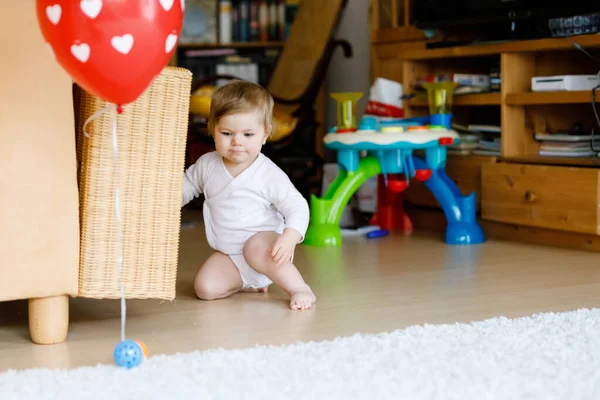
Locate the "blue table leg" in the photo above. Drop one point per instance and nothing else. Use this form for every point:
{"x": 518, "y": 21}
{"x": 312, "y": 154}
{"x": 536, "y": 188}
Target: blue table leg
{"x": 349, "y": 159}
{"x": 460, "y": 210}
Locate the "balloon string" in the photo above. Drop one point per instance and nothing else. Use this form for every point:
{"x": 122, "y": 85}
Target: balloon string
{"x": 115, "y": 147}
{"x": 95, "y": 115}
{"x": 119, "y": 226}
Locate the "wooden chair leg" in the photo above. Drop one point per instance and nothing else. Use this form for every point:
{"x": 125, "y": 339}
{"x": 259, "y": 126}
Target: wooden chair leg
{"x": 49, "y": 319}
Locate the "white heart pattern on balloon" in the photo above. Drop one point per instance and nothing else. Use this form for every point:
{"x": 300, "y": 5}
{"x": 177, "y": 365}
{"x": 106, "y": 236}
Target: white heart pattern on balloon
{"x": 170, "y": 42}
{"x": 167, "y": 4}
{"x": 54, "y": 13}
{"x": 81, "y": 51}
{"x": 122, "y": 44}
{"x": 91, "y": 8}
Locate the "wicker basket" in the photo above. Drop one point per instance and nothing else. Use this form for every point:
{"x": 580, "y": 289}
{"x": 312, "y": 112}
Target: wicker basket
{"x": 152, "y": 134}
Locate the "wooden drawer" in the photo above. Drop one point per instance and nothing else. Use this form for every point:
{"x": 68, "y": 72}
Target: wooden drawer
{"x": 465, "y": 171}
{"x": 563, "y": 198}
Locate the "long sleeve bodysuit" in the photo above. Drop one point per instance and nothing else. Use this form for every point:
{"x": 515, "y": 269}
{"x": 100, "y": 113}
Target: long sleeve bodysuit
{"x": 262, "y": 198}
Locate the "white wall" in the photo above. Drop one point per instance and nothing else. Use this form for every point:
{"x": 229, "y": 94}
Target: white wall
{"x": 351, "y": 75}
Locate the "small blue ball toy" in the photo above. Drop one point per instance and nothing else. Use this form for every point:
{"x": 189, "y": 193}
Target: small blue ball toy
{"x": 130, "y": 353}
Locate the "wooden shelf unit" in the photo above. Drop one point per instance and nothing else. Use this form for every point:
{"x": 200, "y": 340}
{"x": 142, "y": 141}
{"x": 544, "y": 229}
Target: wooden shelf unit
{"x": 547, "y": 160}
{"x": 517, "y": 46}
{"x": 521, "y": 112}
{"x": 532, "y": 98}
{"x": 545, "y": 196}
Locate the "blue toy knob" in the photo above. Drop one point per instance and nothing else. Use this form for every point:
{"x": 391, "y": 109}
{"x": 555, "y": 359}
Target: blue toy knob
{"x": 368, "y": 124}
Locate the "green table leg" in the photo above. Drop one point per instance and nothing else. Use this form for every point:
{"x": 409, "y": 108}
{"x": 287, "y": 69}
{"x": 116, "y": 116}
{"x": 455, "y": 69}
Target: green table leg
{"x": 326, "y": 212}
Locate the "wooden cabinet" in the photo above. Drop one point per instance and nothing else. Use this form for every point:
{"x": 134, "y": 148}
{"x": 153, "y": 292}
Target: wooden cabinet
{"x": 563, "y": 198}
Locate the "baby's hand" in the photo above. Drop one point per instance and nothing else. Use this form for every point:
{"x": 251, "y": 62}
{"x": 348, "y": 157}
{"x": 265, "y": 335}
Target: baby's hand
{"x": 284, "y": 246}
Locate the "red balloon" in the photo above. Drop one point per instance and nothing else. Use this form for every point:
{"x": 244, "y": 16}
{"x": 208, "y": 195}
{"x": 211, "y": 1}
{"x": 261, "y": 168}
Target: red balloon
{"x": 112, "y": 48}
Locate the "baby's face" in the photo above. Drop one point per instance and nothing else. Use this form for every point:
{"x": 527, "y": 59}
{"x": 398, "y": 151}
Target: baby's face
{"x": 239, "y": 137}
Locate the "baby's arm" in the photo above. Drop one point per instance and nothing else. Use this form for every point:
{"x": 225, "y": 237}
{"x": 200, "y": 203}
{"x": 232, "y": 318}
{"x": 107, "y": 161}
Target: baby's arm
{"x": 192, "y": 183}
{"x": 289, "y": 202}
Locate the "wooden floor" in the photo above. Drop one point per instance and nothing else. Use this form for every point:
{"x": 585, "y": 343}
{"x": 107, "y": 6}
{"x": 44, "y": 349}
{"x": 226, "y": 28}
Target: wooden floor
{"x": 365, "y": 286}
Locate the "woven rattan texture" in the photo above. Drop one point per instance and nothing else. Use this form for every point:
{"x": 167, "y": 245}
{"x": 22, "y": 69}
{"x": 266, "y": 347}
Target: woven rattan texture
{"x": 152, "y": 134}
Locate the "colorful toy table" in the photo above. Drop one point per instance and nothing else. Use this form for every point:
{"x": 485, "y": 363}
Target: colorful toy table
{"x": 389, "y": 150}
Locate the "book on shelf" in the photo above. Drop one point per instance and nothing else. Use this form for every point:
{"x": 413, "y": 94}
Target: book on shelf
{"x": 484, "y": 140}
{"x": 564, "y": 137}
{"x": 477, "y": 128}
{"x": 566, "y": 145}
{"x": 482, "y": 128}
{"x": 582, "y": 153}
{"x": 229, "y": 21}
{"x": 255, "y": 20}
{"x": 199, "y": 22}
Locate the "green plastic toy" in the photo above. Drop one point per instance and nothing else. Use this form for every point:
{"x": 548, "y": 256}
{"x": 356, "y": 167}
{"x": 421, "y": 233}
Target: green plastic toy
{"x": 326, "y": 212}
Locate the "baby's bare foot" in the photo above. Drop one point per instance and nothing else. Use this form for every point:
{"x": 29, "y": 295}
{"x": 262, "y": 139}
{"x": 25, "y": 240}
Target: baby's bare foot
{"x": 302, "y": 299}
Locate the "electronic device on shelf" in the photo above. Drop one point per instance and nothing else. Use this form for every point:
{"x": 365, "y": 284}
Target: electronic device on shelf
{"x": 509, "y": 19}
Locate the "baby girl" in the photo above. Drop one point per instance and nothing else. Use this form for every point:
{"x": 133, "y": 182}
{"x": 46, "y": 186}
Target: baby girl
{"x": 254, "y": 216}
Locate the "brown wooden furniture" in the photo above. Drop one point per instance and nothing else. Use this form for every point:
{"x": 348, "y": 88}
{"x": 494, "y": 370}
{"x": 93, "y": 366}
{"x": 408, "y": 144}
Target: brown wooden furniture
{"x": 39, "y": 233}
{"x": 521, "y": 195}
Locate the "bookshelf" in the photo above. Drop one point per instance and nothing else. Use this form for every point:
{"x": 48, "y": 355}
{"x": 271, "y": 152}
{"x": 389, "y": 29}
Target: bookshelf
{"x": 521, "y": 195}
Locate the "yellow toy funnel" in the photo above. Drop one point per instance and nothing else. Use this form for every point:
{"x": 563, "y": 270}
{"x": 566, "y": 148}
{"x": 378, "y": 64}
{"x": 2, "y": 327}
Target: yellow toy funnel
{"x": 439, "y": 97}
{"x": 346, "y": 110}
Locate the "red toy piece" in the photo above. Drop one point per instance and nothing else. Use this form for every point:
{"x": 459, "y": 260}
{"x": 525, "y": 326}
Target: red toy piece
{"x": 346, "y": 130}
{"x": 390, "y": 213}
{"x": 446, "y": 141}
{"x": 422, "y": 174}
{"x": 397, "y": 186}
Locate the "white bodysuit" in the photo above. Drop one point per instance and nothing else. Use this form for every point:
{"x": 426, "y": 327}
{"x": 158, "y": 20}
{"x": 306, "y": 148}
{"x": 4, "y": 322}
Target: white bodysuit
{"x": 262, "y": 198}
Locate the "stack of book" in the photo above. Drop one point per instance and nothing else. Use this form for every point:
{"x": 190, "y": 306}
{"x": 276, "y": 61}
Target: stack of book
{"x": 566, "y": 145}
{"x": 483, "y": 140}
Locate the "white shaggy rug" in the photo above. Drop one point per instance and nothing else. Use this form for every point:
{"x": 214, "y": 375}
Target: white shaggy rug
{"x": 546, "y": 356}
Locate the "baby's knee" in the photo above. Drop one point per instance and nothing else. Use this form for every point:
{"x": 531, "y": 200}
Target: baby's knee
{"x": 258, "y": 248}
{"x": 205, "y": 290}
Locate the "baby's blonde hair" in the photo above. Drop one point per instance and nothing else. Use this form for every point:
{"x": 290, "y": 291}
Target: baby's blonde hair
{"x": 240, "y": 96}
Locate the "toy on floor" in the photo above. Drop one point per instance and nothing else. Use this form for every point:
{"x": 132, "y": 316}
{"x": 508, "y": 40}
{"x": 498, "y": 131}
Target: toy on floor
{"x": 130, "y": 353}
{"x": 389, "y": 146}
{"x": 379, "y": 233}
